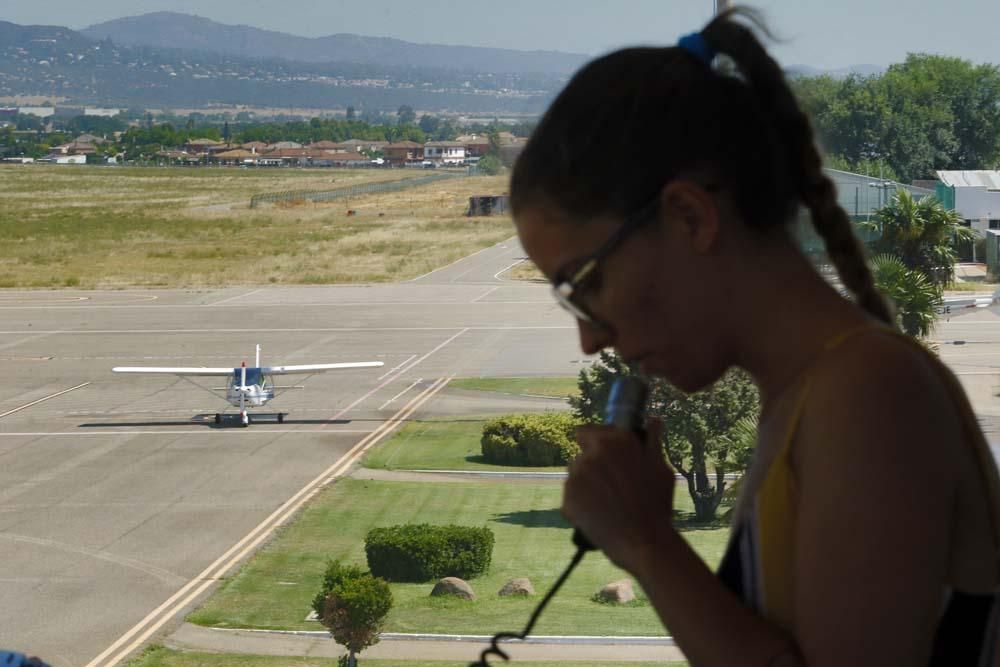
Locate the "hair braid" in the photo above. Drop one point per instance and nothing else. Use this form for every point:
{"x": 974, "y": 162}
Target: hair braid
{"x": 803, "y": 168}
{"x": 843, "y": 247}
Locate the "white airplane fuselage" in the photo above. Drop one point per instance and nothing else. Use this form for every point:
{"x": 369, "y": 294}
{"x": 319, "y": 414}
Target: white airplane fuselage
{"x": 255, "y": 395}
{"x": 257, "y": 390}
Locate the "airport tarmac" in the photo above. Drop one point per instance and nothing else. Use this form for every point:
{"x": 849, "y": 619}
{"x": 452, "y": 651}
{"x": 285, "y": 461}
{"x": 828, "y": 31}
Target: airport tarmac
{"x": 118, "y": 492}
{"x": 121, "y": 502}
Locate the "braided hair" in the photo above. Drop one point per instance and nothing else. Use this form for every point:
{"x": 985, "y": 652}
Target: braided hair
{"x": 632, "y": 120}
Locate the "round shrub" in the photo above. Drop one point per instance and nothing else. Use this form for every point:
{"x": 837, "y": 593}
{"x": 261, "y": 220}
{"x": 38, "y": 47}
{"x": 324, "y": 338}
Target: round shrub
{"x": 422, "y": 552}
{"x": 531, "y": 439}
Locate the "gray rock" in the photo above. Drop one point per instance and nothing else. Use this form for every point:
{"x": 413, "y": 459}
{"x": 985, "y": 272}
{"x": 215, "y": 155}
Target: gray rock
{"x": 454, "y": 586}
{"x": 617, "y": 592}
{"x": 520, "y": 587}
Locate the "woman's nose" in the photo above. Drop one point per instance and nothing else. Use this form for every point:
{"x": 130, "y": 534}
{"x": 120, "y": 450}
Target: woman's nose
{"x": 593, "y": 338}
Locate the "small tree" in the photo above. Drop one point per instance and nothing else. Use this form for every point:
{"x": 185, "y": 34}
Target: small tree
{"x": 916, "y": 298}
{"x": 922, "y": 233}
{"x": 352, "y": 605}
{"x": 706, "y": 432}
{"x": 490, "y": 165}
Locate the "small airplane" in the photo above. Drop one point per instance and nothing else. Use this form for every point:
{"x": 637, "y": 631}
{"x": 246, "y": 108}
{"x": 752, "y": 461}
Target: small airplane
{"x": 247, "y": 386}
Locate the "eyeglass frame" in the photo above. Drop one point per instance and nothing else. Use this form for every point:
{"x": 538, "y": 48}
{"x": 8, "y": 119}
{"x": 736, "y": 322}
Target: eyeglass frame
{"x": 563, "y": 289}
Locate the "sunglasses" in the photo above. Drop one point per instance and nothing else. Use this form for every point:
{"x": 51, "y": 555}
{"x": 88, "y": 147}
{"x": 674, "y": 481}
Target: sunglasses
{"x": 569, "y": 287}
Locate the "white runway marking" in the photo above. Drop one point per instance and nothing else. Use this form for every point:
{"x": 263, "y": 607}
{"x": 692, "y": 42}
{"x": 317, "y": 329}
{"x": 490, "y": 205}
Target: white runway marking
{"x": 28, "y": 405}
{"x": 414, "y": 364}
{"x": 233, "y": 298}
{"x": 392, "y": 370}
{"x": 486, "y": 293}
{"x": 410, "y": 367}
{"x": 506, "y": 269}
{"x": 190, "y": 591}
{"x": 27, "y": 339}
{"x": 430, "y": 273}
{"x": 386, "y": 404}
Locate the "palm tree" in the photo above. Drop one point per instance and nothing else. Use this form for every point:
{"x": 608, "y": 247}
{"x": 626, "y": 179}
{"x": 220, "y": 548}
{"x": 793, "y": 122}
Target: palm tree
{"x": 923, "y": 234}
{"x": 916, "y": 297}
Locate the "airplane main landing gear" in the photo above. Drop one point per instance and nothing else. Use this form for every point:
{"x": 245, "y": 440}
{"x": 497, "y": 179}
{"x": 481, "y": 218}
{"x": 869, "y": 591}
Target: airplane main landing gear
{"x": 218, "y": 418}
{"x": 281, "y": 417}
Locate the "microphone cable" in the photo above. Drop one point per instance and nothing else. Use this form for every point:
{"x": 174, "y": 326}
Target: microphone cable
{"x": 494, "y": 648}
{"x": 626, "y": 409}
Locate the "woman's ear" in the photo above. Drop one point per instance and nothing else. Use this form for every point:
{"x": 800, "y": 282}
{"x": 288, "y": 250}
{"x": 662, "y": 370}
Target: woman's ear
{"x": 693, "y": 211}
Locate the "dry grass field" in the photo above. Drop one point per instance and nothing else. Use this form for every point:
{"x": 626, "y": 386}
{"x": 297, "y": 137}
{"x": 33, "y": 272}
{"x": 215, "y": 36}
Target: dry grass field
{"x": 108, "y": 227}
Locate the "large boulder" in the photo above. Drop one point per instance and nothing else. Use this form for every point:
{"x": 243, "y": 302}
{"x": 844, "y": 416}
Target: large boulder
{"x": 617, "y": 592}
{"x": 520, "y": 587}
{"x": 454, "y": 586}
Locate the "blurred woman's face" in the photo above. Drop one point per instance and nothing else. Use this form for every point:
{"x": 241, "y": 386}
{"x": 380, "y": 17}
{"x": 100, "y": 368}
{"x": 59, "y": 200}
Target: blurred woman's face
{"x": 642, "y": 296}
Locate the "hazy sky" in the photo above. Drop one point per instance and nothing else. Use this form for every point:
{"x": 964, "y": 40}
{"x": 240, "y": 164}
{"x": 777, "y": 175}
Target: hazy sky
{"x": 819, "y": 33}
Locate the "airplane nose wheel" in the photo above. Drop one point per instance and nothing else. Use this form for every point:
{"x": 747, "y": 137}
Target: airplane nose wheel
{"x": 244, "y": 419}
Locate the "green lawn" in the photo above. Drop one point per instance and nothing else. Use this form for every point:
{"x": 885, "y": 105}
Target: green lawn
{"x": 447, "y": 443}
{"x": 556, "y": 387}
{"x": 275, "y": 589}
{"x": 162, "y": 657}
{"x": 453, "y": 443}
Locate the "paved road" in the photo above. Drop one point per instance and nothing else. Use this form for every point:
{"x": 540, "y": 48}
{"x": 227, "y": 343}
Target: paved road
{"x": 116, "y": 492}
{"x": 119, "y": 492}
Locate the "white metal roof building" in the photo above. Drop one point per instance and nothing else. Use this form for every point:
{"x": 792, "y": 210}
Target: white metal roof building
{"x": 971, "y": 179}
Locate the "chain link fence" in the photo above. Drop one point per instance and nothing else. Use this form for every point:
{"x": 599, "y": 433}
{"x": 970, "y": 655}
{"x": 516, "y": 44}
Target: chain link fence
{"x": 353, "y": 191}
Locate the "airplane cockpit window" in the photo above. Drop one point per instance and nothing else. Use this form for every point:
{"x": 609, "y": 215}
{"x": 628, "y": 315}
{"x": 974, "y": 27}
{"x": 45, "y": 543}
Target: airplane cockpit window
{"x": 254, "y": 376}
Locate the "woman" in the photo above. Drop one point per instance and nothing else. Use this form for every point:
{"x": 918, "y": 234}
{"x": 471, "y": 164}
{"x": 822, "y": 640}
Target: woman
{"x": 656, "y": 195}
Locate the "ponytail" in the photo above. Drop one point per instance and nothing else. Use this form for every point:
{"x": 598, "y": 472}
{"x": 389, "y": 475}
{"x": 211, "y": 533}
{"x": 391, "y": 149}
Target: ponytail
{"x": 803, "y": 166}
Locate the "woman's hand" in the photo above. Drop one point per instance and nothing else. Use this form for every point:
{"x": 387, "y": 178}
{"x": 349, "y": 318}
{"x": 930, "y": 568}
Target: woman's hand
{"x": 620, "y": 493}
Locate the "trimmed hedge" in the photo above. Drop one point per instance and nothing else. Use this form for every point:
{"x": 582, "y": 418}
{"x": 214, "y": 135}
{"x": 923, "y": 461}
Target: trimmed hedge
{"x": 531, "y": 439}
{"x": 422, "y": 552}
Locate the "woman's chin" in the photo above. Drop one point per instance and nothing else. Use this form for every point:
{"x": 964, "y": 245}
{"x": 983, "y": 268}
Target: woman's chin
{"x": 688, "y": 382}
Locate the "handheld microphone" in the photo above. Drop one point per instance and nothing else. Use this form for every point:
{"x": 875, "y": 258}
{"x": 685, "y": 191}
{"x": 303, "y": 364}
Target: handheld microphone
{"x": 626, "y": 409}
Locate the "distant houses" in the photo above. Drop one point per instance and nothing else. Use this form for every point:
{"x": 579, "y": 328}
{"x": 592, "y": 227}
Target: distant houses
{"x": 467, "y": 150}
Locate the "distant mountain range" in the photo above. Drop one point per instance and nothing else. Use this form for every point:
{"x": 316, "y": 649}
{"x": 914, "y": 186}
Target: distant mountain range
{"x": 176, "y": 60}
{"x": 184, "y": 31}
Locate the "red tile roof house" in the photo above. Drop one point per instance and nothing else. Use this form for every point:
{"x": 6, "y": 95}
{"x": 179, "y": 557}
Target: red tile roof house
{"x": 201, "y": 146}
{"x": 401, "y": 152}
{"x": 256, "y": 146}
{"x": 447, "y": 152}
{"x": 74, "y": 148}
{"x": 332, "y": 146}
{"x": 358, "y": 145}
{"x": 236, "y": 156}
{"x": 476, "y": 145}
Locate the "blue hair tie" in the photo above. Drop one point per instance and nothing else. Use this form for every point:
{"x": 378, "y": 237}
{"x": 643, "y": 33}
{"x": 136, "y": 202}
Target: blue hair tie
{"x": 696, "y": 45}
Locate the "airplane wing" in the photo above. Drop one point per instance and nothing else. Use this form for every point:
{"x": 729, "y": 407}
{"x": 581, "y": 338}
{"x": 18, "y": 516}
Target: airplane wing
{"x": 175, "y": 371}
{"x": 318, "y": 368}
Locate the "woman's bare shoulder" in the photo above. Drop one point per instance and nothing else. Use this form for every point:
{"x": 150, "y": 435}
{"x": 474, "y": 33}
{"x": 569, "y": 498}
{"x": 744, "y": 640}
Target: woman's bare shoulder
{"x": 880, "y": 395}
